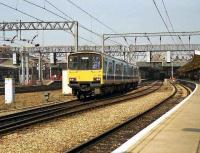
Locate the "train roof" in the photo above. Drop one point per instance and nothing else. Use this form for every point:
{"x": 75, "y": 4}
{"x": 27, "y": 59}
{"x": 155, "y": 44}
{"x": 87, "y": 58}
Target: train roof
{"x": 95, "y": 52}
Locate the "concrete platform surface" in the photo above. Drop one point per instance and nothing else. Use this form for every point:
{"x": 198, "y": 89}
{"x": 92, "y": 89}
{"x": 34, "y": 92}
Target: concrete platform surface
{"x": 179, "y": 133}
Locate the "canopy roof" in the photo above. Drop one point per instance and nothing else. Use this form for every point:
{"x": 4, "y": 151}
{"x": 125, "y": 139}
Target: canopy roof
{"x": 192, "y": 65}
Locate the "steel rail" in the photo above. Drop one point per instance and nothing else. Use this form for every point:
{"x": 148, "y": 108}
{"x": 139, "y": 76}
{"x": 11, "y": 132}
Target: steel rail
{"x": 54, "y": 106}
{"x": 29, "y": 117}
{"x": 96, "y": 141}
{"x": 26, "y": 89}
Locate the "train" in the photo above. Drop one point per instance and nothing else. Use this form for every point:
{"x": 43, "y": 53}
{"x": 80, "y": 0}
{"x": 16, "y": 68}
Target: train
{"x": 94, "y": 73}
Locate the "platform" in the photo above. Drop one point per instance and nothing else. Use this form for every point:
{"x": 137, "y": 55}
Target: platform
{"x": 178, "y": 133}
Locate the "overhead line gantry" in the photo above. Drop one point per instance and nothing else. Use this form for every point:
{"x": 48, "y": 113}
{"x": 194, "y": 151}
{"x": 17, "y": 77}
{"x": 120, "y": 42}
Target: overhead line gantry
{"x": 39, "y": 25}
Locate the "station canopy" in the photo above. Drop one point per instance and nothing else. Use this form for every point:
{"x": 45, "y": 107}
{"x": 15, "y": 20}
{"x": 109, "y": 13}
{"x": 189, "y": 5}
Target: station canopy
{"x": 192, "y": 65}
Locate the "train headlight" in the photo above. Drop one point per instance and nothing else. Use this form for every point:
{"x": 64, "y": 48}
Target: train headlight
{"x": 72, "y": 79}
{"x": 96, "y": 79}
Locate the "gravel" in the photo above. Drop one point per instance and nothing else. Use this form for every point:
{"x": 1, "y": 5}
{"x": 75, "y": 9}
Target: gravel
{"x": 33, "y": 99}
{"x": 36, "y": 99}
{"x": 66, "y": 132}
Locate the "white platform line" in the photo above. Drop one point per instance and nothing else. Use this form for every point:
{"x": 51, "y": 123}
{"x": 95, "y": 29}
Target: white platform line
{"x": 124, "y": 147}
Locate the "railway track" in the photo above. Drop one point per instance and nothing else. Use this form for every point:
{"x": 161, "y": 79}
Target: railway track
{"x": 113, "y": 138}
{"x": 54, "y": 86}
{"x": 29, "y": 117}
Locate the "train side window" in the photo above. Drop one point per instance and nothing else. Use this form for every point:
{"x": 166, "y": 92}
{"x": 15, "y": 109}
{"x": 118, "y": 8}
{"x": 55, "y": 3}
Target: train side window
{"x": 117, "y": 69}
{"x": 113, "y": 66}
{"x": 132, "y": 71}
{"x": 110, "y": 68}
{"x": 125, "y": 70}
{"x": 121, "y": 68}
{"x": 105, "y": 65}
{"x": 136, "y": 71}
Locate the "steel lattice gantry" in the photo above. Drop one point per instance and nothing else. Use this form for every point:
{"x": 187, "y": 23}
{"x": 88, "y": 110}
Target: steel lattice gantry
{"x": 71, "y": 26}
{"x": 15, "y": 26}
{"x": 132, "y": 54}
{"x": 133, "y": 51}
{"x": 165, "y": 47}
{"x": 118, "y": 49}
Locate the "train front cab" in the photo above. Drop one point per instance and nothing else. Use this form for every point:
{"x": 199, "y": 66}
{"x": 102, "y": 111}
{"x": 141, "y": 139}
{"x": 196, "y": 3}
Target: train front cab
{"x": 85, "y": 73}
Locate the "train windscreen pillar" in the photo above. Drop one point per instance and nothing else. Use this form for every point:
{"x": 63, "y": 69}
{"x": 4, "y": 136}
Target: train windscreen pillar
{"x": 9, "y": 91}
{"x": 66, "y": 90}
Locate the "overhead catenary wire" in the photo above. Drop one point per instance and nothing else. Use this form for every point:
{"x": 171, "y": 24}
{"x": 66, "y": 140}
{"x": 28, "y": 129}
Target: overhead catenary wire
{"x": 168, "y": 15}
{"x": 95, "y": 18}
{"x": 83, "y": 27}
{"x": 59, "y": 10}
{"x": 44, "y": 8}
{"x": 89, "y": 14}
{"x": 24, "y": 13}
{"x": 163, "y": 19}
{"x": 170, "y": 20}
{"x": 16, "y": 9}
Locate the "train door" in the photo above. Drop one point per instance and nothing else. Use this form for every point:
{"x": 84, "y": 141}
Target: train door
{"x": 122, "y": 72}
{"x": 113, "y": 71}
{"x": 105, "y": 70}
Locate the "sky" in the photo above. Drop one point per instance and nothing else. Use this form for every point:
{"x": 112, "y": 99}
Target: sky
{"x": 121, "y": 15}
